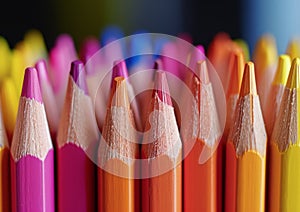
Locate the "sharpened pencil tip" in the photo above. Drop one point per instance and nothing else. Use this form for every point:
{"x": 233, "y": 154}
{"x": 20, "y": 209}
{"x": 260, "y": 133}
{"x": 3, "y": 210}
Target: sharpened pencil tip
{"x": 78, "y": 74}
{"x": 158, "y": 65}
{"x": 236, "y": 69}
{"x": 248, "y": 84}
{"x": 31, "y": 86}
{"x": 293, "y": 79}
{"x": 161, "y": 87}
{"x": 120, "y": 98}
{"x": 119, "y": 70}
{"x": 283, "y": 68}
{"x": 202, "y": 72}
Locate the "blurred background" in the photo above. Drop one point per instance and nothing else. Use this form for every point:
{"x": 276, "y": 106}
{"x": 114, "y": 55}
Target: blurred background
{"x": 246, "y": 19}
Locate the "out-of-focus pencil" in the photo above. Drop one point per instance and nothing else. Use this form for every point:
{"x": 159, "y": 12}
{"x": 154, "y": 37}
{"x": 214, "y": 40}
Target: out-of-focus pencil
{"x": 274, "y": 97}
{"x": 265, "y": 59}
{"x": 48, "y": 97}
{"x": 9, "y": 105}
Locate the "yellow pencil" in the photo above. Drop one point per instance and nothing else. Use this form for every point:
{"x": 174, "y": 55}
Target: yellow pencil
{"x": 265, "y": 59}
{"x": 246, "y": 151}
{"x": 293, "y": 48}
{"x": 284, "y": 178}
{"x": 272, "y": 105}
{"x": 9, "y": 101}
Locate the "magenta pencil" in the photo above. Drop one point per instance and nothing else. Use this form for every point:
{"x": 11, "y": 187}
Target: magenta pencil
{"x": 76, "y": 140}
{"x": 32, "y": 152}
{"x": 48, "y": 97}
{"x": 88, "y": 48}
{"x": 60, "y": 58}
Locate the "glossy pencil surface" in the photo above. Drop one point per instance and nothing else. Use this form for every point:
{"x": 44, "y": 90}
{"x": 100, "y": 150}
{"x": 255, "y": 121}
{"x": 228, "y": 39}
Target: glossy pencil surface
{"x": 246, "y": 151}
{"x": 117, "y": 152}
{"x": 162, "y": 146}
{"x": 5, "y": 190}
{"x": 76, "y": 143}
{"x": 284, "y": 186}
{"x": 201, "y": 130}
{"x": 32, "y": 162}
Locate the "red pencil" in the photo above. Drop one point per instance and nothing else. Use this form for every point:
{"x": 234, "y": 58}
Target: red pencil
{"x": 200, "y": 132}
{"x": 32, "y": 152}
{"x": 162, "y": 146}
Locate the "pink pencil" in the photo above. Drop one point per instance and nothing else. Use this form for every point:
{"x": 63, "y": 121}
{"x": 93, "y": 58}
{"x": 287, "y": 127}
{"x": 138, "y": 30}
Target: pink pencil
{"x": 77, "y": 137}
{"x": 48, "y": 97}
{"x": 32, "y": 152}
{"x": 60, "y": 58}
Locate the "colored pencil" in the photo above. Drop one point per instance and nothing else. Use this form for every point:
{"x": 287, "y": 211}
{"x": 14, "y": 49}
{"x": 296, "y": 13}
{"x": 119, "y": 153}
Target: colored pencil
{"x": 9, "y": 103}
{"x": 284, "y": 184}
{"x": 235, "y": 68}
{"x": 235, "y": 72}
{"x": 77, "y": 140}
{"x": 18, "y": 65}
{"x": 5, "y": 192}
{"x": 246, "y": 151}
{"x": 48, "y": 97}
{"x": 32, "y": 162}
{"x": 6, "y": 54}
{"x": 265, "y": 59}
{"x": 271, "y": 106}
{"x": 200, "y": 131}
{"x": 116, "y": 154}
{"x": 60, "y": 57}
{"x": 218, "y": 53}
{"x": 293, "y": 48}
{"x": 162, "y": 148}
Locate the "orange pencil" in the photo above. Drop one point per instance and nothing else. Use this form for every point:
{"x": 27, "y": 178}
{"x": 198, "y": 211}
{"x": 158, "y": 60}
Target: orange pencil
{"x": 200, "y": 133}
{"x": 246, "y": 151}
{"x": 162, "y": 148}
{"x": 4, "y": 170}
{"x": 236, "y": 69}
{"x": 116, "y": 154}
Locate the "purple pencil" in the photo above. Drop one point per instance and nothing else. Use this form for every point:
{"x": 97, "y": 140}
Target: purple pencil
{"x": 32, "y": 166}
{"x": 77, "y": 138}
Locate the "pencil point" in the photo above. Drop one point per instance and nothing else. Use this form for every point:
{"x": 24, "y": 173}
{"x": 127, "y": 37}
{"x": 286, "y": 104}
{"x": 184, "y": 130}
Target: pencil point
{"x": 293, "y": 49}
{"x": 31, "y": 86}
{"x": 293, "y": 79}
{"x": 158, "y": 65}
{"x": 248, "y": 84}
{"x": 119, "y": 69}
{"x": 78, "y": 74}
{"x": 120, "y": 97}
{"x": 41, "y": 69}
{"x": 265, "y": 52}
{"x": 283, "y": 68}
{"x": 236, "y": 69}
{"x": 161, "y": 87}
{"x": 202, "y": 72}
